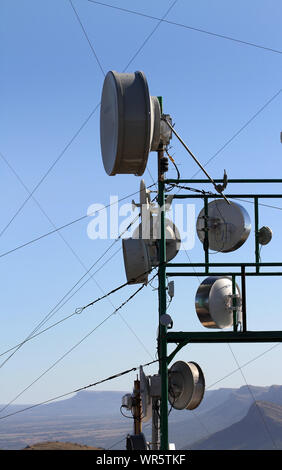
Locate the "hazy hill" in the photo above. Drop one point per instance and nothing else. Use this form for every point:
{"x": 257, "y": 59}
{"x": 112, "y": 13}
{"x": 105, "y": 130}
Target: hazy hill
{"x": 230, "y": 406}
{"x": 93, "y": 418}
{"x": 85, "y": 403}
{"x": 260, "y": 429}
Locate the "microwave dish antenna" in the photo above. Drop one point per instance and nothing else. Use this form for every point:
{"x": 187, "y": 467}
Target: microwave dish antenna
{"x": 136, "y": 259}
{"x": 228, "y": 226}
{"x": 264, "y": 235}
{"x": 151, "y": 233}
{"x": 186, "y": 385}
{"x": 214, "y": 302}
{"x": 130, "y": 123}
{"x": 145, "y": 396}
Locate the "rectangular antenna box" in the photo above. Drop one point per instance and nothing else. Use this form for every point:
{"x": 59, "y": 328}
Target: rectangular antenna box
{"x": 155, "y": 389}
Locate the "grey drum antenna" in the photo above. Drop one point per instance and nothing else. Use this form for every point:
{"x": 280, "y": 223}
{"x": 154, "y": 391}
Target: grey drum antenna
{"x": 186, "y": 385}
{"x": 215, "y": 302}
{"x": 130, "y": 123}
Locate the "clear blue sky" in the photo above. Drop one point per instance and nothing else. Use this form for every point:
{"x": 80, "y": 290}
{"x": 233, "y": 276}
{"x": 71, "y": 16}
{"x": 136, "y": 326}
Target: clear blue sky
{"x": 51, "y": 82}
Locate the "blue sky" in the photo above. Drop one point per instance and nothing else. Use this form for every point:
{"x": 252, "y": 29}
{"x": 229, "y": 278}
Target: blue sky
{"x": 51, "y": 82}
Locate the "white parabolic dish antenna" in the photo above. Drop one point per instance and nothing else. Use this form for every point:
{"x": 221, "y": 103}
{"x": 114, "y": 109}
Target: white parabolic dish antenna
{"x": 214, "y": 302}
{"x": 150, "y": 233}
{"x": 136, "y": 260}
{"x": 228, "y": 226}
{"x": 129, "y": 123}
{"x": 186, "y": 385}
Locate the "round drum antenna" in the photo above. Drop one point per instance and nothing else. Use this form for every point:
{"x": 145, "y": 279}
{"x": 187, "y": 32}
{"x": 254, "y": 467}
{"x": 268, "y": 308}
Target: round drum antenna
{"x": 186, "y": 385}
{"x": 129, "y": 123}
{"x": 214, "y": 302}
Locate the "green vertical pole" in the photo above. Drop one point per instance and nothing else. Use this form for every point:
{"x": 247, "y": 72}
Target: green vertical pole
{"x": 256, "y": 233}
{"x": 162, "y": 346}
{"x": 243, "y": 288}
{"x": 234, "y": 292}
{"x": 162, "y": 310}
{"x": 206, "y": 239}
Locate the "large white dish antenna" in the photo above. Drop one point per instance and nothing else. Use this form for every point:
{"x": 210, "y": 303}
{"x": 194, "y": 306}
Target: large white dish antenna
{"x": 145, "y": 396}
{"x": 136, "y": 261}
{"x": 228, "y": 226}
{"x": 129, "y": 123}
{"x": 151, "y": 232}
{"x": 186, "y": 385}
{"x": 214, "y": 302}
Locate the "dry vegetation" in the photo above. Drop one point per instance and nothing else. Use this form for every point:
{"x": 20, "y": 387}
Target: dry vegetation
{"x": 56, "y": 445}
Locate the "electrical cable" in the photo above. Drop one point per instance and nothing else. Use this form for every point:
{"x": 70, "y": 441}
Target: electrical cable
{"x": 218, "y": 188}
{"x": 161, "y": 20}
{"x": 87, "y": 37}
{"x": 133, "y": 57}
{"x": 76, "y": 345}
{"x": 67, "y": 224}
{"x": 244, "y": 365}
{"x": 77, "y": 311}
{"x": 59, "y": 321}
{"x": 125, "y": 416}
{"x": 262, "y": 417}
{"x": 83, "y": 124}
{"x": 254, "y": 400}
{"x": 229, "y": 38}
{"x": 55, "y": 309}
{"x": 120, "y": 374}
{"x": 240, "y": 130}
{"x": 175, "y": 2}
{"x": 215, "y": 383}
{"x": 50, "y": 168}
{"x": 74, "y": 253}
{"x": 202, "y": 191}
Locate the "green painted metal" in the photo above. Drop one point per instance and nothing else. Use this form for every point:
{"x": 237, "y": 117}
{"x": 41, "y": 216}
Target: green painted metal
{"x": 234, "y": 292}
{"x": 224, "y": 337}
{"x": 236, "y": 180}
{"x": 221, "y": 273}
{"x": 162, "y": 329}
{"x": 214, "y": 265}
{"x": 229, "y": 196}
{"x": 206, "y": 239}
{"x": 256, "y": 233}
{"x": 183, "y": 338}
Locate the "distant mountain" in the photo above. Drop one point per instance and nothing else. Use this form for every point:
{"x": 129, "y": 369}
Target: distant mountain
{"x": 88, "y": 418}
{"x": 237, "y": 403}
{"x": 94, "y": 418}
{"x": 260, "y": 429}
{"x": 85, "y": 403}
{"x": 218, "y": 410}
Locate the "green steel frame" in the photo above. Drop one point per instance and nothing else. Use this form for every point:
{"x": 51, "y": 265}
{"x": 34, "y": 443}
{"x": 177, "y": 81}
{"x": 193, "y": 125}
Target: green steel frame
{"x": 183, "y": 338}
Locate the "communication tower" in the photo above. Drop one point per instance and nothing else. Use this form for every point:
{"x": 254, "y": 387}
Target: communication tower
{"x": 132, "y": 124}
